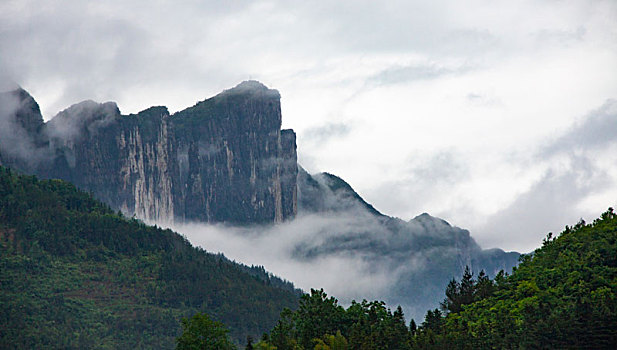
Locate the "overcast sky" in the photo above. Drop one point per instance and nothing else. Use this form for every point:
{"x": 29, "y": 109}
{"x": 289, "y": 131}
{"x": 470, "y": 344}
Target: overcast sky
{"x": 498, "y": 116}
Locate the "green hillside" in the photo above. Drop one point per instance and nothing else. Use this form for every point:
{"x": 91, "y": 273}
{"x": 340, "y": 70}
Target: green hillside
{"x": 563, "y": 296}
{"x": 74, "y": 274}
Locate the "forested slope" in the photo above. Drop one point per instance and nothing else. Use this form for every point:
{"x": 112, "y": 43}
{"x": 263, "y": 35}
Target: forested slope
{"x": 74, "y": 274}
{"x": 563, "y": 296}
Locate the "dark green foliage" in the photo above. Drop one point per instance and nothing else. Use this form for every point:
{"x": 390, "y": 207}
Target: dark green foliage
{"x": 467, "y": 291}
{"x": 320, "y": 323}
{"x": 74, "y": 274}
{"x": 412, "y": 327}
{"x": 433, "y": 321}
{"x": 200, "y": 332}
{"x": 317, "y": 315}
{"x": 484, "y": 287}
{"x": 249, "y": 343}
{"x": 260, "y": 273}
{"x": 563, "y": 296}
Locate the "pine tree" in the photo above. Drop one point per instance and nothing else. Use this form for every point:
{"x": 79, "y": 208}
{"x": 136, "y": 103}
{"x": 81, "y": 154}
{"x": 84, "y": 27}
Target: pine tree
{"x": 467, "y": 287}
{"x": 413, "y": 328}
{"x": 452, "y": 303}
{"x": 484, "y": 286}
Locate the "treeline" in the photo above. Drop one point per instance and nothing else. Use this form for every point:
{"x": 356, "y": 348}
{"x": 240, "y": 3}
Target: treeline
{"x": 260, "y": 272}
{"x": 321, "y": 323}
{"x": 75, "y": 274}
{"x": 562, "y": 296}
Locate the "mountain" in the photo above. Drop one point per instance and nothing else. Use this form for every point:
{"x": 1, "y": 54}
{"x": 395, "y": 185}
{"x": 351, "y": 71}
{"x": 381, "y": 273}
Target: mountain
{"x": 21, "y": 141}
{"x": 421, "y": 254}
{"x": 74, "y": 274}
{"x": 225, "y": 159}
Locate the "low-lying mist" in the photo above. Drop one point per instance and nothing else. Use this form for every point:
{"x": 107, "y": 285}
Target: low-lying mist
{"x": 354, "y": 255}
{"x": 299, "y": 251}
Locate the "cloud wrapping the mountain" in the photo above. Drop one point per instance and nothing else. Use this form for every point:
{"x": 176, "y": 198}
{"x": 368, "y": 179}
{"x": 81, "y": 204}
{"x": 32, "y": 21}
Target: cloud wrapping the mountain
{"x": 378, "y": 83}
{"x": 299, "y": 251}
{"x": 19, "y": 129}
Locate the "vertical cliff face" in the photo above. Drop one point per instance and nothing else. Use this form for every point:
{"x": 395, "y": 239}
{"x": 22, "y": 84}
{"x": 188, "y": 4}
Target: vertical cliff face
{"x": 234, "y": 160}
{"x": 123, "y": 160}
{"x": 147, "y": 165}
{"x": 223, "y": 160}
{"x": 289, "y": 173}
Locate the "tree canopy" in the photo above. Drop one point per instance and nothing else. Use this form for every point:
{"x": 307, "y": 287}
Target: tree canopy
{"x": 562, "y": 296}
{"x": 201, "y": 333}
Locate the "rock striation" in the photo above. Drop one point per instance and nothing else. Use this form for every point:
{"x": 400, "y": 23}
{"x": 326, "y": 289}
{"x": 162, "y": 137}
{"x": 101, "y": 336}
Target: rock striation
{"x": 225, "y": 159}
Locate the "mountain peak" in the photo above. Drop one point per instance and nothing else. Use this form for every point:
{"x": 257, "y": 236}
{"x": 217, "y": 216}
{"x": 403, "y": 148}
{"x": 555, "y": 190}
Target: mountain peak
{"x": 426, "y": 218}
{"x": 78, "y": 109}
{"x": 86, "y": 115}
{"x": 251, "y": 84}
{"x": 20, "y": 107}
{"x": 251, "y": 87}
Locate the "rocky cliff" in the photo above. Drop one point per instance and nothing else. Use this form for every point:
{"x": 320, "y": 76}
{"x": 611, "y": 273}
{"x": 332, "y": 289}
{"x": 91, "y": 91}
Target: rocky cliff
{"x": 235, "y": 163}
{"x": 225, "y": 159}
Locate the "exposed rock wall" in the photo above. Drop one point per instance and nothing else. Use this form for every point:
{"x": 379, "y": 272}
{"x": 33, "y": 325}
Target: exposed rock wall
{"x": 289, "y": 173}
{"x": 234, "y": 159}
{"x": 223, "y": 160}
{"x": 123, "y": 160}
{"x": 147, "y": 165}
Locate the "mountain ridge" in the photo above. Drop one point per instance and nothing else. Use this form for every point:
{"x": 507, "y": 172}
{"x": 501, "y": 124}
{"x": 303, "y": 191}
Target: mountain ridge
{"x": 424, "y": 252}
{"x": 226, "y": 159}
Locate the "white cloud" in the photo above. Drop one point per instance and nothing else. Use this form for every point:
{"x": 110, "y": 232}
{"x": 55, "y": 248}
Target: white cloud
{"x": 287, "y": 250}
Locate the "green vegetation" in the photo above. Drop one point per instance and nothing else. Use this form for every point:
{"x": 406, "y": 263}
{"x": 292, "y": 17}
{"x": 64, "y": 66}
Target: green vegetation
{"x": 320, "y": 323}
{"x": 563, "y": 296}
{"x": 200, "y": 332}
{"x": 74, "y": 274}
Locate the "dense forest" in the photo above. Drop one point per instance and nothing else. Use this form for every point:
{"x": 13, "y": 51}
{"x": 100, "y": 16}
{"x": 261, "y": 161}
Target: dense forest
{"x": 562, "y": 296}
{"x": 75, "y": 274}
